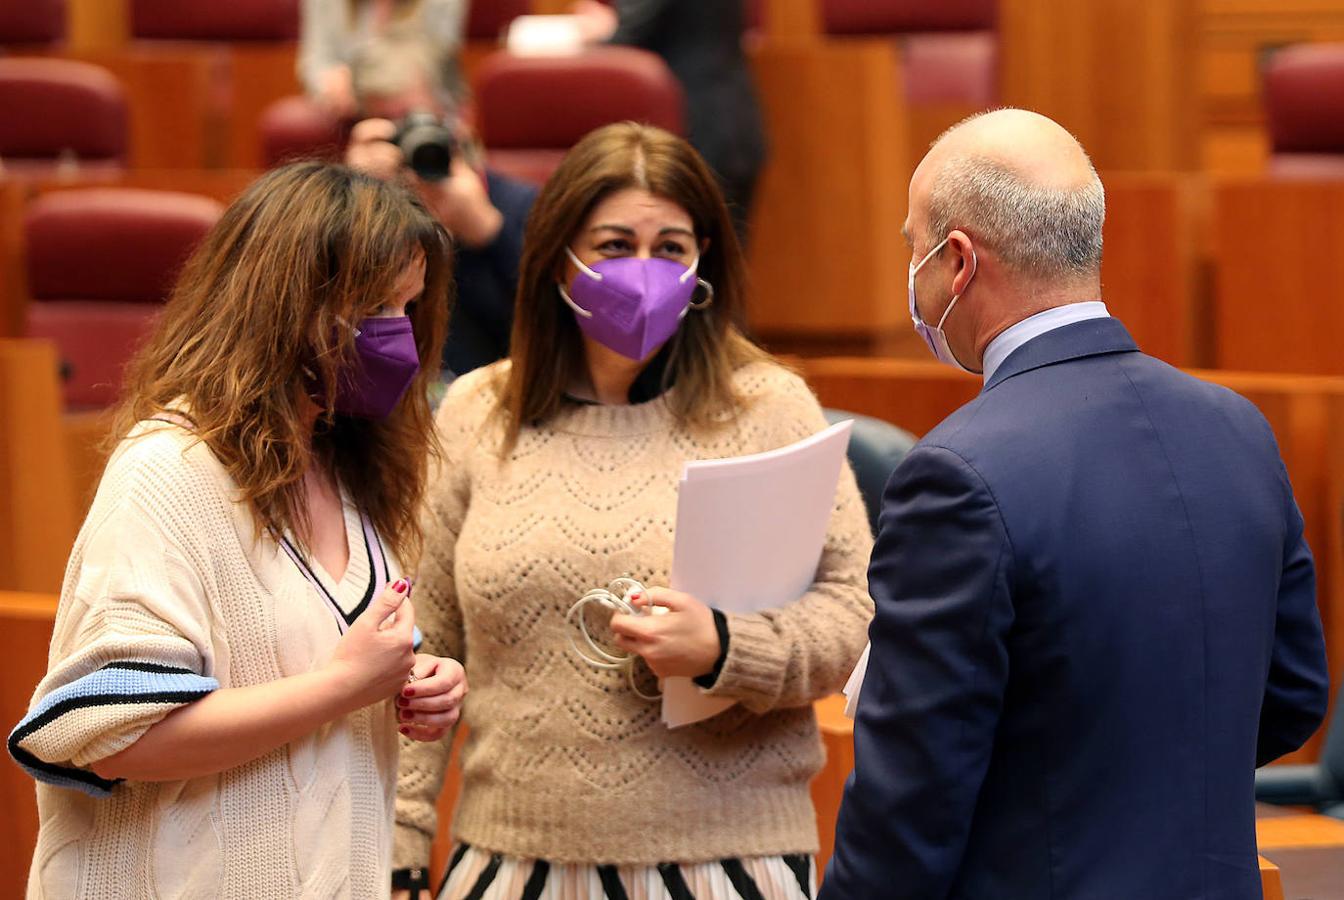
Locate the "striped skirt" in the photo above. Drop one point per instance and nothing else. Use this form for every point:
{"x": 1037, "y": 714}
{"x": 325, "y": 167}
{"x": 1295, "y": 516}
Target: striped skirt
{"x": 475, "y": 874}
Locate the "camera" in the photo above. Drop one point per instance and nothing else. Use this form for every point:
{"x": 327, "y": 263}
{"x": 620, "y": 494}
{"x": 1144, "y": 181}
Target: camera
{"x": 427, "y": 142}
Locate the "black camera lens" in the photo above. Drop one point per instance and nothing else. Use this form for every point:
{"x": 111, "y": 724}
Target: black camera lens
{"x": 427, "y": 144}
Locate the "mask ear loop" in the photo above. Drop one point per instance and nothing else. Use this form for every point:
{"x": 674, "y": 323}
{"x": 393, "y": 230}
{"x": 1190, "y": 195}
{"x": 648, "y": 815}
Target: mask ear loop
{"x": 564, "y": 294}
{"x": 975, "y": 267}
{"x": 708, "y": 299}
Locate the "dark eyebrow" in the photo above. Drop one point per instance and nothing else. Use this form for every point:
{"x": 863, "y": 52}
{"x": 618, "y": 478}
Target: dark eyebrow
{"x": 630, "y": 232}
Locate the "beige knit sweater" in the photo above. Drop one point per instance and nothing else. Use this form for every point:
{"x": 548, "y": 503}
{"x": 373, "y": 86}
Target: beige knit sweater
{"x": 167, "y": 596}
{"x": 564, "y": 762}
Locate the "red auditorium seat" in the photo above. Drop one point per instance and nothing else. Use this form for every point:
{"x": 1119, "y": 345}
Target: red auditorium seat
{"x": 32, "y": 22}
{"x": 949, "y": 49}
{"x": 215, "y": 20}
{"x": 530, "y": 110}
{"x": 1304, "y": 105}
{"x": 54, "y": 111}
{"x": 100, "y": 263}
{"x": 488, "y": 19}
{"x": 297, "y": 128}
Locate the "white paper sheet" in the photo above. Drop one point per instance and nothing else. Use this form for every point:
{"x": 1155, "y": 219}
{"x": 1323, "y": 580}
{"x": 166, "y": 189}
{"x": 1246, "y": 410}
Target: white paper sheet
{"x": 544, "y": 36}
{"x": 855, "y": 682}
{"x": 750, "y": 532}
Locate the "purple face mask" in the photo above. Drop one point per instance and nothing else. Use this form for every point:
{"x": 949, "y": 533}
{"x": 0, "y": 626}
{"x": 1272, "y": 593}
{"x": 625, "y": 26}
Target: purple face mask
{"x": 629, "y": 304}
{"x": 387, "y": 363}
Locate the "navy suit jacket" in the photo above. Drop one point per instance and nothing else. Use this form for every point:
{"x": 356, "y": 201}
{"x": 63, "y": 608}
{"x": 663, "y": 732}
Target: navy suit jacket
{"x": 1095, "y": 616}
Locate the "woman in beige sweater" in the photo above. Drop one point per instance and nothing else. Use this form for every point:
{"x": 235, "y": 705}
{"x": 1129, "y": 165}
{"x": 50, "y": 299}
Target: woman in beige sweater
{"x": 217, "y": 719}
{"x": 560, "y": 474}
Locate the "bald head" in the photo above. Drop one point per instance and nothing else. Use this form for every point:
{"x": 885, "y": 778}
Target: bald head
{"x": 1019, "y": 183}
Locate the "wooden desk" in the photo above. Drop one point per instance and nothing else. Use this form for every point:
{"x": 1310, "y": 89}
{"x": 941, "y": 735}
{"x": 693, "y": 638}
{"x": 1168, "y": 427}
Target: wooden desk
{"x": 25, "y": 633}
{"x": 1306, "y": 849}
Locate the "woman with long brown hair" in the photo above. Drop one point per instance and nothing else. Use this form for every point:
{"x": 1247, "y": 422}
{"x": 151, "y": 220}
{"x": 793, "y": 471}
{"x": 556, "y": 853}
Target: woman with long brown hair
{"x": 217, "y": 718}
{"x": 560, "y": 474}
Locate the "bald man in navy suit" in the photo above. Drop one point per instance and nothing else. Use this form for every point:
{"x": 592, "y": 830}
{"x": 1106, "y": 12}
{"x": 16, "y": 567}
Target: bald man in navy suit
{"x": 1095, "y": 609}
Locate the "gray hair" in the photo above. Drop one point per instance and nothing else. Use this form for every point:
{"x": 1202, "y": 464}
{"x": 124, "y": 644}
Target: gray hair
{"x": 1037, "y": 230}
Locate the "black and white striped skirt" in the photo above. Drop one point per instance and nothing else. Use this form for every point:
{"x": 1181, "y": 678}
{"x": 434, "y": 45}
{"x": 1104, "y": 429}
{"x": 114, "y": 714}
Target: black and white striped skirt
{"x": 475, "y": 874}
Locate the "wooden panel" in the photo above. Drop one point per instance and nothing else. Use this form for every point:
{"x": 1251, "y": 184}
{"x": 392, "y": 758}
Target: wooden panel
{"x": 1299, "y": 831}
{"x": 1148, "y": 268}
{"x": 97, "y": 24}
{"x": 822, "y": 252}
{"x": 1114, "y": 72}
{"x": 259, "y": 75}
{"x": 1278, "y": 276}
{"x": 37, "y": 507}
{"x": 25, "y": 633}
{"x": 914, "y": 395}
{"x": 172, "y": 98}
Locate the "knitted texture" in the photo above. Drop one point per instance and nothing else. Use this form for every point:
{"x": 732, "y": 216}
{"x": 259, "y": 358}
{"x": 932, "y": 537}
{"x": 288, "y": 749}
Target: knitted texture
{"x": 169, "y": 594}
{"x": 563, "y": 761}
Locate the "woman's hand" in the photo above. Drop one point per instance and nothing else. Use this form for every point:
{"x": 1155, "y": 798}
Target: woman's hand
{"x": 431, "y": 702}
{"x": 681, "y": 642}
{"x": 462, "y": 203}
{"x": 374, "y": 657}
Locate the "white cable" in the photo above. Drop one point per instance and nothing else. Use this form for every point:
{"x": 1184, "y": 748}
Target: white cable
{"x": 615, "y": 597}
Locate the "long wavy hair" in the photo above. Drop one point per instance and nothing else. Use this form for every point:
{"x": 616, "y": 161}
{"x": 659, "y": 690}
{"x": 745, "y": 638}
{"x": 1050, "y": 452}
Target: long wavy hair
{"x": 259, "y": 323}
{"x": 546, "y": 348}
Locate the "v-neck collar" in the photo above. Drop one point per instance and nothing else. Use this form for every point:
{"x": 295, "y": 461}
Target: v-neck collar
{"x": 365, "y": 569}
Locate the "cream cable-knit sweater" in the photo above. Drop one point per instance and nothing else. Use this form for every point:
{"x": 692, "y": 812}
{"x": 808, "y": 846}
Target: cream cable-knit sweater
{"x": 167, "y": 595}
{"x": 563, "y": 761}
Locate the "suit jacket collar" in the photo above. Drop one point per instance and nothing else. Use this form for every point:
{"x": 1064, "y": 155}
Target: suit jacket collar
{"x": 1093, "y": 337}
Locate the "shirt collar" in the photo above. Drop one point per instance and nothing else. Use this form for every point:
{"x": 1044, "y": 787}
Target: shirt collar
{"x": 1015, "y": 336}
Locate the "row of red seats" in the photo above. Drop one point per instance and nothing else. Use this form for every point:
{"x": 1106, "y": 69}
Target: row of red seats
{"x": 44, "y": 21}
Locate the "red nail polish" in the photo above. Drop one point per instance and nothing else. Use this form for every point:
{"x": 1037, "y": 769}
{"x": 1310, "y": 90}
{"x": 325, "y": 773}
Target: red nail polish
{"x": 400, "y": 585}
{"x": 404, "y": 730}
{"x": 409, "y": 692}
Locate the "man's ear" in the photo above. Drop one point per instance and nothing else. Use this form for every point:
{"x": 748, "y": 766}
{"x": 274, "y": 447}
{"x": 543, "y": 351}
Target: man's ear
{"x": 959, "y": 243}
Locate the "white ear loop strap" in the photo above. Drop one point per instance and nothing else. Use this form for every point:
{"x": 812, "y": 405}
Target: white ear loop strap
{"x": 615, "y": 596}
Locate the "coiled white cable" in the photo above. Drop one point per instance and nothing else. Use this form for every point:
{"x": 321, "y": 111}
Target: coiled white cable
{"x": 615, "y": 597}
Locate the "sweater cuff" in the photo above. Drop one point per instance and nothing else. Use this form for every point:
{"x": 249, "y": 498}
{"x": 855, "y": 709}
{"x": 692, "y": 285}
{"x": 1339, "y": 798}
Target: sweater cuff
{"x": 755, "y": 661}
{"x": 410, "y": 847}
{"x": 707, "y": 680}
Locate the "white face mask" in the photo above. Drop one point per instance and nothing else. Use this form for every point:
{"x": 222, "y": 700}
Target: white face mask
{"x": 935, "y": 337}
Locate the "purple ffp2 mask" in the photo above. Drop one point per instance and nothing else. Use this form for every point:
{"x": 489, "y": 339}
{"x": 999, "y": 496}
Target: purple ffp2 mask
{"x": 629, "y": 304}
{"x": 387, "y": 361}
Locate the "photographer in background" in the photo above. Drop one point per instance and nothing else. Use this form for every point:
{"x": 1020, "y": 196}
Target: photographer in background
{"x": 485, "y": 213}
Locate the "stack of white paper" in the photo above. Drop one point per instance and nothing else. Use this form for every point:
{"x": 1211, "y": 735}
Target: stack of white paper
{"x": 750, "y": 532}
{"x": 855, "y": 682}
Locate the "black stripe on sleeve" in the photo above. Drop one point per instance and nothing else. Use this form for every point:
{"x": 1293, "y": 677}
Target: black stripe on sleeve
{"x": 154, "y": 668}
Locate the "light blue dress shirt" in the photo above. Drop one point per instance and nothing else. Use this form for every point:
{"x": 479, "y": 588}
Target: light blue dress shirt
{"x": 1010, "y": 339}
